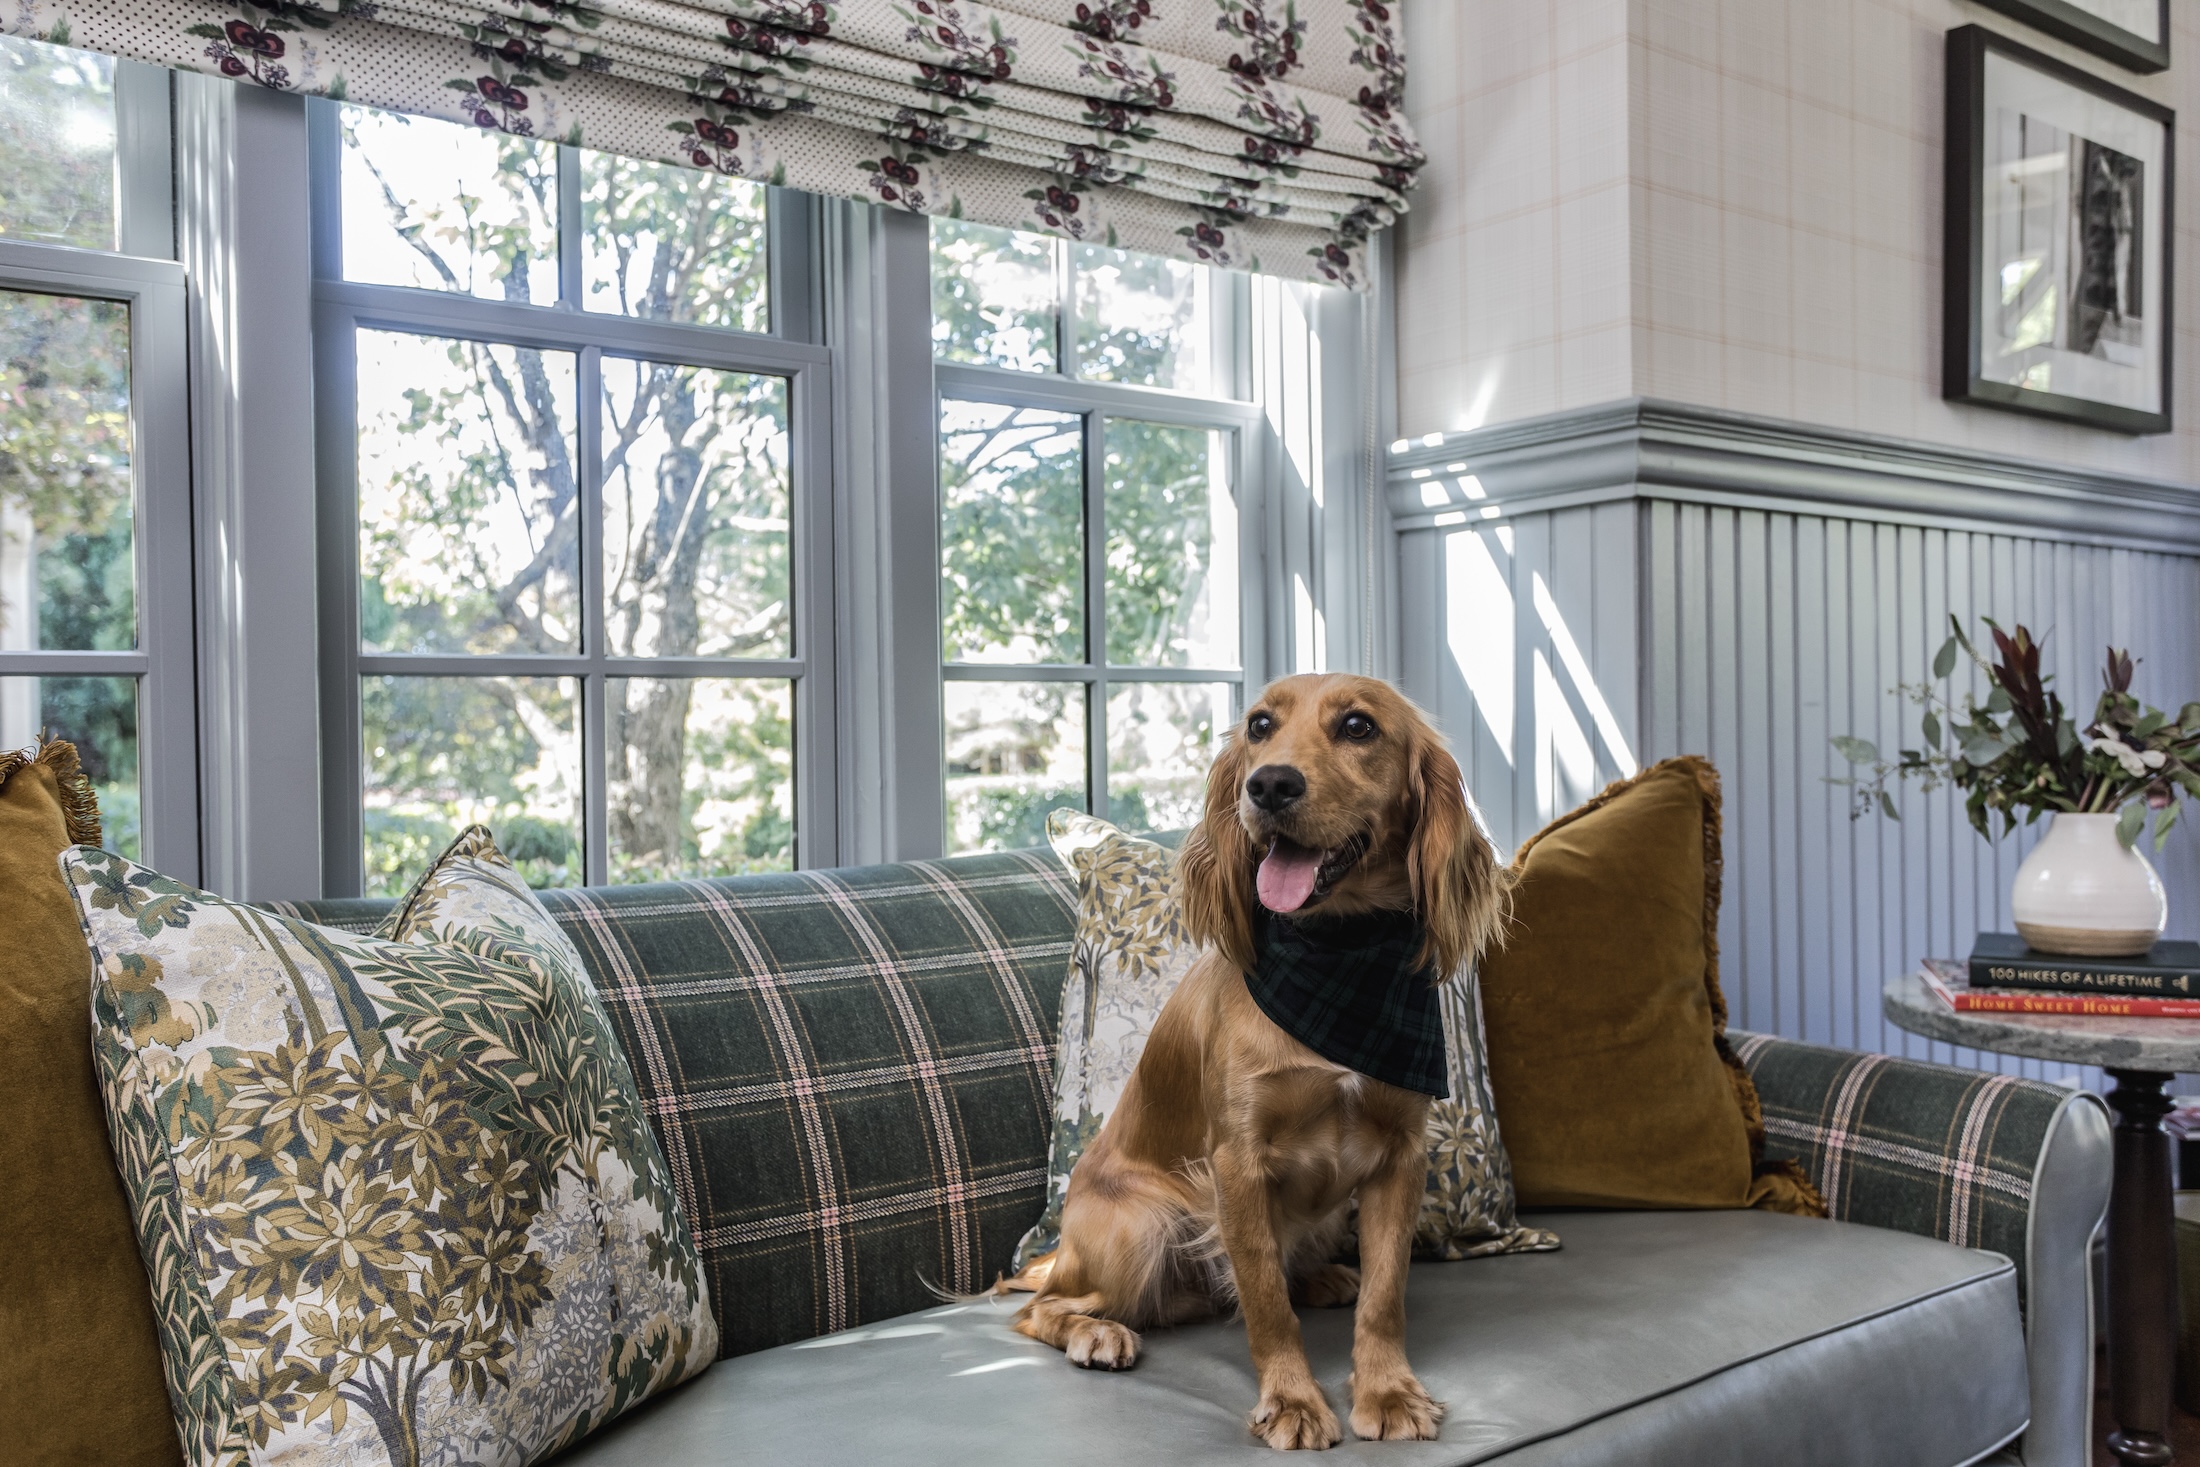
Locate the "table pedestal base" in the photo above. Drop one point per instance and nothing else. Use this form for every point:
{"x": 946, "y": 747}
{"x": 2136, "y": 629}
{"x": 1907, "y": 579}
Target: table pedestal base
{"x": 2142, "y": 1272}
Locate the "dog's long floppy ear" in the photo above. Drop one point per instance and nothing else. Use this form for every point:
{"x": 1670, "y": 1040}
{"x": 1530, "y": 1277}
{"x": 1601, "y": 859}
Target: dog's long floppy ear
{"x": 1458, "y": 892}
{"x": 1214, "y": 869}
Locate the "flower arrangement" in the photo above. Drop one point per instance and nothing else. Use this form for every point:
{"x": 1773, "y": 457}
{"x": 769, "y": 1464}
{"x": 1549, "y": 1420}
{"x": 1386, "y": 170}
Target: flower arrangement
{"x": 2020, "y": 753}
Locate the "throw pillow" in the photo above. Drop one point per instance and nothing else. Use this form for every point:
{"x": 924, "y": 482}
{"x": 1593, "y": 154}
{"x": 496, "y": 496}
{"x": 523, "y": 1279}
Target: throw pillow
{"x": 79, "y": 1358}
{"x": 1129, "y": 954}
{"x": 1614, "y": 1082}
{"x": 394, "y": 1196}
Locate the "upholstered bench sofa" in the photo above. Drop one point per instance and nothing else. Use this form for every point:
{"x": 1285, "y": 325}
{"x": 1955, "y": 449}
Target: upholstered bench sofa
{"x": 851, "y": 1074}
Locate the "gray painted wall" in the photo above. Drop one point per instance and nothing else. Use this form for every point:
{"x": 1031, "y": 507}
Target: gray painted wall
{"x": 1559, "y": 647}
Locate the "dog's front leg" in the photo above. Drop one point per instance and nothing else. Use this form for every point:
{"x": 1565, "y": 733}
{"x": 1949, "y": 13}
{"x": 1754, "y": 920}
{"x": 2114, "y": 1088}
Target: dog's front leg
{"x": 1388, "y": 1402}
{"x": 1292, "y": 1412}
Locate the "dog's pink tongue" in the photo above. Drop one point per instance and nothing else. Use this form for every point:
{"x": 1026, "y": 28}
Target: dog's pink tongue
{"x": 1287, "y": 876}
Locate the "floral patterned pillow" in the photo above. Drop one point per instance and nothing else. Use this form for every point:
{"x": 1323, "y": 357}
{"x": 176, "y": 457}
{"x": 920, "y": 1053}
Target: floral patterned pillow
{"x": 1129, "y": 954}
{"x": 397, "y": 1199}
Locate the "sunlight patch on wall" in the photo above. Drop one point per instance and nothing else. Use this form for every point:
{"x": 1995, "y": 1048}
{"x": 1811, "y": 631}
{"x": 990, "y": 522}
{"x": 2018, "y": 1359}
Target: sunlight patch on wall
{"x": 1478, "y": 628}
{"x": 1561, "y": 748}
{"x": 1478, "y": 410}
{"x": 1584, "y": 681}
{"x": 1309, "y": 633}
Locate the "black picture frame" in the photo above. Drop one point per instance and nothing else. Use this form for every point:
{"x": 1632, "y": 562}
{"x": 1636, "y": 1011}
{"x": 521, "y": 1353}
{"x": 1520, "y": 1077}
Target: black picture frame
{"x": 1964, "y": 230}
{"x": 2082, "y": 28}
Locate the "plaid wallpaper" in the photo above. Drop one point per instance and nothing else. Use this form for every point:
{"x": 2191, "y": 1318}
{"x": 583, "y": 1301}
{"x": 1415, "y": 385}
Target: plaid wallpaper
{"x": 851, "y": 1071}
{"x": 1928, "y": 1149}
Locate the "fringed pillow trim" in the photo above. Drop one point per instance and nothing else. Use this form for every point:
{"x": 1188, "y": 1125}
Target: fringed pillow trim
{"x": 79, "y": 801}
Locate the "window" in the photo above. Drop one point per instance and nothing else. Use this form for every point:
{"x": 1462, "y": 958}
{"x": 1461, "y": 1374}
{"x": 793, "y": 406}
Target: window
{"x": 95, "y": 530}
{"x": 1093, "y": 452}
{"x": 575, "y": 583}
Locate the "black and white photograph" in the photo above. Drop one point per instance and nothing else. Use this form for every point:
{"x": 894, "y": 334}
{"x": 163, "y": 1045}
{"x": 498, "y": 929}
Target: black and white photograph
{"x": 2058, "y": 226}
{"x": 2132, "y": 33}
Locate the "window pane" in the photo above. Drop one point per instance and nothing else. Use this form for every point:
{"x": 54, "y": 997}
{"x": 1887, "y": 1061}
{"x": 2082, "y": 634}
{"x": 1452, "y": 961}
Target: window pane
{"x": 1012, "y": 533}
{"x": 672, "y": 243}
{"x": 444, "y": 752}
{"x": 58, "y": 139}
{"x": 696, "y": 507}
{"x": 1172, "y": 547}
{"x": 701, "y": 776}
{"x": 444, "y": 207}
{"x": 57, "y": 132}
{"x": 1014, "y": 752}
{"x": 468, "y": 520}
{"x": 1145, "y": 319}
{"x": 67, "y": 577}
{"x": 1161, "y": 738}
{"x": 100, "y": 716}
{"x": 993, "y": 296}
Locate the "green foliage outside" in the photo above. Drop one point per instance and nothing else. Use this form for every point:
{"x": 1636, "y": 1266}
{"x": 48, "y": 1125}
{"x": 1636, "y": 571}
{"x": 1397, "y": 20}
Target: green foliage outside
{"x": 67, "y": 562}
{"x": 57, "y": 131}
{"x": 1013, "y": 536}
{"x": 471, "y": 532}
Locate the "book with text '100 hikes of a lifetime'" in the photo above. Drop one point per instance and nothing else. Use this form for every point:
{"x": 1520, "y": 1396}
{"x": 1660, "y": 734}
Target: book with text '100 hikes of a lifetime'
{"x": 2170, "y": 969}
{"x": 1950, "y": 980}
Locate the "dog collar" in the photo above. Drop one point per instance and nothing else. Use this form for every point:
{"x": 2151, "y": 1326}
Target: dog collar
{"x": 1353, "y": 991}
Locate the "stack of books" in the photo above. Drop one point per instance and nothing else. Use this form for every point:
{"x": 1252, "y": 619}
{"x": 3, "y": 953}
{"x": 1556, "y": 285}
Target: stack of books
{"x": 2004, "y": 976}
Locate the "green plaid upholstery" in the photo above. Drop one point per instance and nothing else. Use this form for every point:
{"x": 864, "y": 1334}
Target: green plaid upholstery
{"x": 1927, "y": 1149}
{"x": 851, "y": 1072}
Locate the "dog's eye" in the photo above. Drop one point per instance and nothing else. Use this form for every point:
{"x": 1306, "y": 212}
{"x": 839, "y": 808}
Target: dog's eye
{"x": 1259, "y": 726}
{"x": 1357, "y": 727}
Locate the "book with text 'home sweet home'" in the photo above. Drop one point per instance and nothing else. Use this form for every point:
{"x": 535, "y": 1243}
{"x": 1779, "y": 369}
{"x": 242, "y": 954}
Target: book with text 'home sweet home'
{"x": 2170, "y": 969}
{"x": 1949, "y": 979}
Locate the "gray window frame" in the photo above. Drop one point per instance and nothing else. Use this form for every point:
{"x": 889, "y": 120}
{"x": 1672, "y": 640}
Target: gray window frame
{"x": 1096, "y": 402}
{"x": 142, "y": 274}
{"x": 340, "y": 308}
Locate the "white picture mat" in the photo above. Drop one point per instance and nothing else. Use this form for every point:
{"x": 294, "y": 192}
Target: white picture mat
{"x": 2012, "y": 86}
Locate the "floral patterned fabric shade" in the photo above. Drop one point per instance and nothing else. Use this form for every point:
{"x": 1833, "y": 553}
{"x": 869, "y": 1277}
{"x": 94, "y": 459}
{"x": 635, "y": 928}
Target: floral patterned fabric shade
{"x": 1253, "y": 134}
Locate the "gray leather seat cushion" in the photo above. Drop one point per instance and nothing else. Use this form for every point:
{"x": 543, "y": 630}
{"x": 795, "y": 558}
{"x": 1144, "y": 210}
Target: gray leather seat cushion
{"x": 1652, "y": 1338}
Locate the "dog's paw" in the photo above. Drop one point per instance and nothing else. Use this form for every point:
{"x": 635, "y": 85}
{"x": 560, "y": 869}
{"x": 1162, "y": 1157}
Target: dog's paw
{"x": 1398, "y": 1410}
{"x": 1294, "y": 1423}
{"x": 1332, "y": 1286}
{"x": 1101, "y": 1344}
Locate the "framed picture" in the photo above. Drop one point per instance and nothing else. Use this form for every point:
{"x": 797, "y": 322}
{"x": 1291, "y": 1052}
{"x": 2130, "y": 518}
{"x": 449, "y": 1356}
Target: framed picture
{"x": 2059, "y": 215}
{"x": 2132, "y": 33}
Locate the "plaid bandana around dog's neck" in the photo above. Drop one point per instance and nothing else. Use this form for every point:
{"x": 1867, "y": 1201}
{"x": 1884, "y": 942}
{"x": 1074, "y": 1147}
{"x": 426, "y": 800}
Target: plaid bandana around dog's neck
{"x": 1352, "y": 991}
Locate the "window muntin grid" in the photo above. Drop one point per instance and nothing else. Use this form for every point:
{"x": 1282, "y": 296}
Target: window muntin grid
{"x": 571, "y": 495}
{"x": 1092, "y": 448}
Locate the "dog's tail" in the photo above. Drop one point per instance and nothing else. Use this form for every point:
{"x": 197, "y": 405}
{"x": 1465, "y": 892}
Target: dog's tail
{"x": 1031, "y": 1278}
{"x": 1028, "y": 1280}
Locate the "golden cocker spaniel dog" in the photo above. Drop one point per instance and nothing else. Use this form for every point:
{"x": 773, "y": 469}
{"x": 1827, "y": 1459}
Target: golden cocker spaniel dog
{"x": 1226, "y": 1170}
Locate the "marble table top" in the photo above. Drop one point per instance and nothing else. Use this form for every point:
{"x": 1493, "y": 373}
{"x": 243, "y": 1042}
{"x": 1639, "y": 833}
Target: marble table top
{"x": 2169, "y": 1045}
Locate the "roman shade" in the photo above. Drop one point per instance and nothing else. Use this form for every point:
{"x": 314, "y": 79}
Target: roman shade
{"x": 1253, "y": 134}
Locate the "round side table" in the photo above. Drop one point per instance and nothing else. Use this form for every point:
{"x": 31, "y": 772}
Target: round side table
{"x": 2141, "y": 1056}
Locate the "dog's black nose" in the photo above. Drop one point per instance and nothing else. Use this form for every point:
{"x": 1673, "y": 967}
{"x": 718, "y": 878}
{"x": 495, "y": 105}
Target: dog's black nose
{"x": 1275, "y": 786}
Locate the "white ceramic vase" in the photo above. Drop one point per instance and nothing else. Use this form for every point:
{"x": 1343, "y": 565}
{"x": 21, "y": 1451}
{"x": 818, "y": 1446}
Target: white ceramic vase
{"x": 2083, "y": 893}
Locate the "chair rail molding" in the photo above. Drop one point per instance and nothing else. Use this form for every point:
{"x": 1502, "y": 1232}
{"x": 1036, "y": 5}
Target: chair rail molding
{"x": 1646, "y": 448}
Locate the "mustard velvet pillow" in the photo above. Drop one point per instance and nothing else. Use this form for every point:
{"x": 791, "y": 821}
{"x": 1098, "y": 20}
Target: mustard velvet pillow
{"x": 80, "y": 1376}
{"x": 1614, "y": 1082}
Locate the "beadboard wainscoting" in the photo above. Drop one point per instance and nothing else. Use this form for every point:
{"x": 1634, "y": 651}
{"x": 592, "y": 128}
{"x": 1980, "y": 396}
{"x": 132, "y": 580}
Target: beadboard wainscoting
{"x": 1596, "y": 590}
